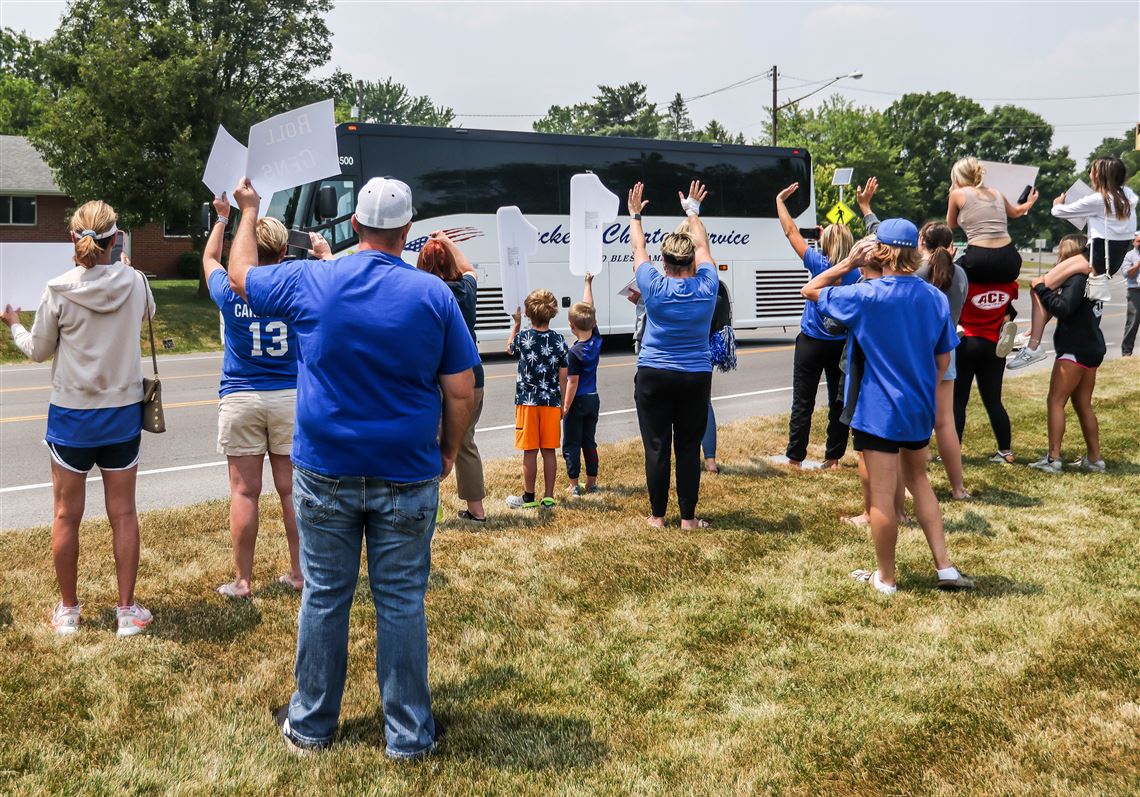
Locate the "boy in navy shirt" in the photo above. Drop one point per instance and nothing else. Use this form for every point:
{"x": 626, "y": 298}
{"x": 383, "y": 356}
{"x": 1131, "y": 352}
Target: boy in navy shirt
{"x": 539, "y": 387}
{"x": 580, "y": 402}
{"x": 903, "y": 327}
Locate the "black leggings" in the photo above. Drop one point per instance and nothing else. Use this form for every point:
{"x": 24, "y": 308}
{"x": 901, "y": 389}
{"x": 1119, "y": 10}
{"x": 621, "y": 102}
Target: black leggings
{"x": 986, "y": 264}
{"x": 579, "y": 435}
{"x": 812, "y": 359}
{"x": 672, "y": 406}
{"x": 976, "y": 358}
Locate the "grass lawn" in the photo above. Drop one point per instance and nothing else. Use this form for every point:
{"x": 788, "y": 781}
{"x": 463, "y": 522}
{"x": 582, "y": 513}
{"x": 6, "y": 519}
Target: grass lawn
{"x": 583, "y": 653}
{"x": 191, "y": 323}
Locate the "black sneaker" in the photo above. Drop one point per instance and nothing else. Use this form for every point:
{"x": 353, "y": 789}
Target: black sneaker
{"x": 293, "y": 744}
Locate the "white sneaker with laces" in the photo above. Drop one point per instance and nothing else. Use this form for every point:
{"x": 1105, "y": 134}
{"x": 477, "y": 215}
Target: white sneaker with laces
{"x": 1047, "y": 465}
{"x": 132, "y": 620}
{"x": 65, "y": 619}
{"x": 1026, "y": 356}
{"x": 1091, "y": 466}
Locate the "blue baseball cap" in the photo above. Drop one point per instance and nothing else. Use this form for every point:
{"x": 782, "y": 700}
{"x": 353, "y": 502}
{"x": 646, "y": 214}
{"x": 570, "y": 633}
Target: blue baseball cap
{"x": 897, "y": 232}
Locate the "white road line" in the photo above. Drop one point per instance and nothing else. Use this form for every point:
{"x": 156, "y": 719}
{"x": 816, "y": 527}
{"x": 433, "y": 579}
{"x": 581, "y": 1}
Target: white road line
{"x": 16, "y": 368}
{"x": 43, "y": 485}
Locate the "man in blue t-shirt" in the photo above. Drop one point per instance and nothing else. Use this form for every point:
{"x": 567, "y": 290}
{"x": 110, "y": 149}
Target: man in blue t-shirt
{"x": 380, "y": 342}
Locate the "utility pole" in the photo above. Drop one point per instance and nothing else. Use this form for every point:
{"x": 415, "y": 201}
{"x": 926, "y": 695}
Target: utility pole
{"x": 775, "y": 104}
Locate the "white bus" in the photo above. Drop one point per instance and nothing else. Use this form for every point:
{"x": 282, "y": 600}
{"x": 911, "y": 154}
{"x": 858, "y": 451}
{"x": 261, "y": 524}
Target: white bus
{"x": 460, "y": 178}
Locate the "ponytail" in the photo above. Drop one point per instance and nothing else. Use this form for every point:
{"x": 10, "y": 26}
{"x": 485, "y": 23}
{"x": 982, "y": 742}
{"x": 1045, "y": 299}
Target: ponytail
{"x": 941, "y": 269}
{"x": 93, "y": 230}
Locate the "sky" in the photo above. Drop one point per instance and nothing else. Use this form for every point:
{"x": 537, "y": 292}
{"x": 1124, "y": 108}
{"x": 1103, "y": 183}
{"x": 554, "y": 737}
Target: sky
{"x": 502, "y": 64}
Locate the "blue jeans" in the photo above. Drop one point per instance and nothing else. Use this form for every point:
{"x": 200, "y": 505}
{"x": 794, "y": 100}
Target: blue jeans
{"x": 708, "y": 442}
{"x": 396, "y": 523}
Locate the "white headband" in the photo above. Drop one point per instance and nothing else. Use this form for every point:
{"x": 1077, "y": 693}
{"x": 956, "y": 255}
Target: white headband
{"x": 98, "y": 237}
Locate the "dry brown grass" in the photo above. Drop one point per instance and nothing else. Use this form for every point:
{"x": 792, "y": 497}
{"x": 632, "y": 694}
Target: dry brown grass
{"x": 583, "y": 653}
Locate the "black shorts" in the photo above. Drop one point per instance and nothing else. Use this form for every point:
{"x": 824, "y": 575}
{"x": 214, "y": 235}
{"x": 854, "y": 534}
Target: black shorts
{"x": 991, "y": 264}
{"x": 1116, "y": 252}
{"x": 861, "y": 441}
{"x": 1084, "y": 359}
{"x": 116, "y": 456}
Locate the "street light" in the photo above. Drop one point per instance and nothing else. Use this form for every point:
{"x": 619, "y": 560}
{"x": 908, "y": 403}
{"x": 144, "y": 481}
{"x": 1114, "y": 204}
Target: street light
{"x": 776, "y": 108}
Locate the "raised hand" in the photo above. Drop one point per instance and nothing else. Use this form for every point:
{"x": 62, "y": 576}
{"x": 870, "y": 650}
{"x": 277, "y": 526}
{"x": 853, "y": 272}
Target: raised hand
{"x": 1032, "y": 198}
{"x": 246, "y": 196}
{"x": 222, "y": 206}
{"x": 697, "y": 194}
{"x": 319, "y": 246}
{"x": 787, "y": 192}
{"x": 864, "y": 193}
{"x": 11, "y": 315}
{"x": 1059, "y": 200}
{"x": 635, "y": 203}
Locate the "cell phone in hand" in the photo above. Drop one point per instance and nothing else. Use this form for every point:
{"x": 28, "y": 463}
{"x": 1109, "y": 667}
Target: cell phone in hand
{"x": 300, "y": 240}
{"x": 1024, "y": 195}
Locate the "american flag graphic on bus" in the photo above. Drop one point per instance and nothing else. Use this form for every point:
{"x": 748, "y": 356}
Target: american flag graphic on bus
{"x": 457, "y": 234}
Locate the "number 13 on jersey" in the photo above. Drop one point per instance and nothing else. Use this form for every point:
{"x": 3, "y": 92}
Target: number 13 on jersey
{"x": 277, "y": 334}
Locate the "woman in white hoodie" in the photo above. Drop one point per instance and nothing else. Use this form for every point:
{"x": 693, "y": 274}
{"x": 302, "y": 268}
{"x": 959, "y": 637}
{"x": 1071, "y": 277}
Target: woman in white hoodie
{"x": 89, "y": 319}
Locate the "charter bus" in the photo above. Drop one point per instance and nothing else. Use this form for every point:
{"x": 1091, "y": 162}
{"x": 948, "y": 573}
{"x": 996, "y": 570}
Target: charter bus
{"x": 461, "y": 177}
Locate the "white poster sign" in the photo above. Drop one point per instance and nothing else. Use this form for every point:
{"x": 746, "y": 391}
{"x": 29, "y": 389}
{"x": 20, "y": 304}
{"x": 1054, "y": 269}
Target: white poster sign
{"x": 592, "y": 205}
{"x": 518, "y": 240}
{"x": 1078, "y": 190}
{"x": 1009, "y": 178}
{"x": 25, "y": 269}
{"x": 293, "y": 148}
{"x": 227, "y": 164}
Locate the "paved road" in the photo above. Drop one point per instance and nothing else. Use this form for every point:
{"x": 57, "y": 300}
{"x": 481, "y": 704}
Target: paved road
{"x": 182, "y": 466}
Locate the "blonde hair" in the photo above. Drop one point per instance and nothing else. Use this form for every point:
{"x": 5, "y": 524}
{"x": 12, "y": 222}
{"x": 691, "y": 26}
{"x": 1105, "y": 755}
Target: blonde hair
{"x": 836, "y": 242}
{"x": 582, "y": 316}
{"x": 968, "y": 172}
{"x": 678, "y": 249}
{"x": 903, "y": 259}
{"x": 1071, "y": 246}
{"x": 540, "y": 306}
{"x": 94, "y": 216}
{"x": 272, "y": 238}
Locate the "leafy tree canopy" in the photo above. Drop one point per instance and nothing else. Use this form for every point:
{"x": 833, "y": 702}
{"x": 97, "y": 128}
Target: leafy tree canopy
{"x": 390, "y": 102}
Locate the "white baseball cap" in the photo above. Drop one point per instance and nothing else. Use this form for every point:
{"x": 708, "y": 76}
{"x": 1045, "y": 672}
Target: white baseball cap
{"x": 384, "y": 203}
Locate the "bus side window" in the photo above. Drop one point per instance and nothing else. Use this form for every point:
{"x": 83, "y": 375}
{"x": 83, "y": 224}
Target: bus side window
{"x": 342, "y": 231}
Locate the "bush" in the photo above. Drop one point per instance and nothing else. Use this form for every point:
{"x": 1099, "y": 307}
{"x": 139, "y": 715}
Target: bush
{"x": 189, "y": 265}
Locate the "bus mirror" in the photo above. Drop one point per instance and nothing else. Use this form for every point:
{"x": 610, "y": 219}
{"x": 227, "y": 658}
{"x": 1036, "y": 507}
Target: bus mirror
{"x": 326, "y": 203}
{"x": 206, "y": 216}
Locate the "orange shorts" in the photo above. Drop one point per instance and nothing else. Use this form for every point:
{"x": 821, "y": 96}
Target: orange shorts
{"x": 537, "y": 427}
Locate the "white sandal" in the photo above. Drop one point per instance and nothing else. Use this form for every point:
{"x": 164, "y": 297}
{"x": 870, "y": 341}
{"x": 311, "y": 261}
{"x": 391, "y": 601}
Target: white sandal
{"x": 872, "y": 577}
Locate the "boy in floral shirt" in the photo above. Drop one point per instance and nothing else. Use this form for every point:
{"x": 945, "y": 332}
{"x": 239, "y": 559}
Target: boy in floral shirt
{"x": 539, "y": 387}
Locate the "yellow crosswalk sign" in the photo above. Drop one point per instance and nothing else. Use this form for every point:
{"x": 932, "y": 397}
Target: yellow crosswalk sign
{"x": 840, "y": 214}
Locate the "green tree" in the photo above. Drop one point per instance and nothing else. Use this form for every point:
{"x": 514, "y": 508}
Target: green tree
{"x": 676, "y": 124}
{"x": 615, "y": 111}
{"x": 142, "y": 87}
{"x": 1124, "y": 148}
{"x": 839, "y": 134}
{"x": 390, "y": 102}
{"x": 716, "y": 133}
{"x": 24, "y": 92}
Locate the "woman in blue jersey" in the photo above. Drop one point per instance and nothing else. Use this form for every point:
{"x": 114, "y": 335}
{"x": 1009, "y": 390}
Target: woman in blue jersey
{"x": 89, "y": 319}
{"x": 902, "y": 325}
{"x": 258, "y": 400}
{"x": 818, "y": 348}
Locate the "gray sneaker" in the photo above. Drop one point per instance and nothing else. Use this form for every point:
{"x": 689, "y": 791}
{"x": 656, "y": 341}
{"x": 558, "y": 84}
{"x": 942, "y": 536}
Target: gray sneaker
{"x": 1006, "y": 339}
{"x": 1047, "y": 465}
{"x": 1027, "y": 356}
{"x": 1086, "y": 464}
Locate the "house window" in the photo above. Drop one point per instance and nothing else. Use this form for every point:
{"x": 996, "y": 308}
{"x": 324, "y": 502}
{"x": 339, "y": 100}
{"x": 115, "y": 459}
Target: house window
{"x": 18, "y": 210}
{"x": 176, "y": 228}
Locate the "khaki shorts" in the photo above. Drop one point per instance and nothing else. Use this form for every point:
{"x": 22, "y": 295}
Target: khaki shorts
{"x": 253, "y": 422}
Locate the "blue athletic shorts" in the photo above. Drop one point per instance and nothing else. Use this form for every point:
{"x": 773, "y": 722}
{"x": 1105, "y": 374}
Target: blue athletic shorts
{"x": 117, "y": 456}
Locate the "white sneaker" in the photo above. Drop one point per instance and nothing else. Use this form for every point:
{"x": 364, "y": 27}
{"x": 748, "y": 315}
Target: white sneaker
{"x": 1006, "y": 339}
{"x": 1046, "y": 465}
{"x": 1091, "y": 466}
{"x": 132, "y": 620}
{"x": 872, "y": 577}
{"x": 65, "y": 619}
{"x": 1026, "y": 356}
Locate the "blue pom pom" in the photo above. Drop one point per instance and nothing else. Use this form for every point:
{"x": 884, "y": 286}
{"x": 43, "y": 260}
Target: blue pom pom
{"x": 722, "y": 348}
